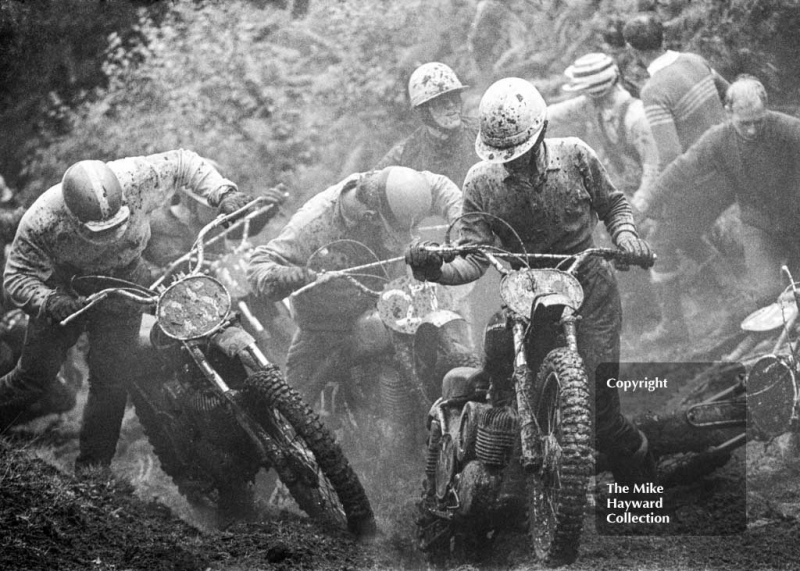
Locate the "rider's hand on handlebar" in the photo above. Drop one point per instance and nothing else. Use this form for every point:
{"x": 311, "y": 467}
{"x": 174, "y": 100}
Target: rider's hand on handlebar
{"x": 272, "y": 197}
{"x": 426, "y": 264}
{"x": 234, "y": 201}
{"x": 632, "y": 244}
{"x": 292, "y": 278}
{"x": 60, "y": 305}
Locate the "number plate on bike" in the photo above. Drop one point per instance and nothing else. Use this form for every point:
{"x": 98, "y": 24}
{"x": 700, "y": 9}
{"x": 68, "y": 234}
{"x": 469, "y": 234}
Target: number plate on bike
{"x": 405, "y": 303}
{"x": 521, "y": 288}
{"x": 193, "y": 307}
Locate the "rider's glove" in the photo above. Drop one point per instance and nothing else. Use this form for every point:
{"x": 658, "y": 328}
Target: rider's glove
{"x": 425, "y": 264}
{"x": 60, "y": 305}
{"x": 631, "y": 243}
{"x": 272, "y": 196}
{"x": 286, "y": 279}
{"x": 233, "y": 201}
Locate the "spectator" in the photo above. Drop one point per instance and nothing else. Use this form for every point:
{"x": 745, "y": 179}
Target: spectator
{"x": 682, "y": 99}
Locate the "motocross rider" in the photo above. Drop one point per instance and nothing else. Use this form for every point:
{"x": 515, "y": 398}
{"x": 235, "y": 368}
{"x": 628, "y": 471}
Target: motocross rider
{"x": 443, "y": 144}
{"x": 96, "y": 221}
{"x": 175, "y": 225}
{"x": 549, "y": 193}
{"x": 378, "y": 209}
{"x": 60, "y": 396}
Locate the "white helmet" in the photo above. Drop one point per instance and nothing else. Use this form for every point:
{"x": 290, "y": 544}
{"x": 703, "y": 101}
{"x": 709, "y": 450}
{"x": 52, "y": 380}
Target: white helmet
{"x": 593, "y": 74}
{"x": 512, "y": 116}
{"x": 402, "y": 195}
{"x": 430, "y": 80}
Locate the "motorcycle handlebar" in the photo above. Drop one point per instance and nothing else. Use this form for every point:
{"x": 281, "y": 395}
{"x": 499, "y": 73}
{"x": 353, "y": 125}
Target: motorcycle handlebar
{"x": 96, "y": 298}
{"x": 621, "y": 256}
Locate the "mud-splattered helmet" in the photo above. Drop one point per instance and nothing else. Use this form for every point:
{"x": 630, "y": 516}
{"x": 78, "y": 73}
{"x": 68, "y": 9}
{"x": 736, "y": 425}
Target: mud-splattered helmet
{"x": 93, "y": 195}
{"x": 430, "y": 80}
{"x": 512, "y": 116}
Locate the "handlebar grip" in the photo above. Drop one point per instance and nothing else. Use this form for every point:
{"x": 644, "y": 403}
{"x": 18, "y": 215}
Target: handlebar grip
{"x": 632, "y": 259}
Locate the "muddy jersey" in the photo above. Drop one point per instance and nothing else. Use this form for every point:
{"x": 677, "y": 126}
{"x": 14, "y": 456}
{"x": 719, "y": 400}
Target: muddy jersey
{"x": 50, "y": 246}
{"x": 551, "y": 207}
{"x": 421, "y": 151}
{"x": 320, "y": 237}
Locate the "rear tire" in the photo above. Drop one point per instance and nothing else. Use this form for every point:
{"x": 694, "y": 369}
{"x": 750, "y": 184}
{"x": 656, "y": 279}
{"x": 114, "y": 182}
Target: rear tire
{"x": 557, "y": 491}
{"x": 314, "y": 468}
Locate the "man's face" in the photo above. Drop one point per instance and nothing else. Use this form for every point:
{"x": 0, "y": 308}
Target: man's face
{"x": 446, "y": 110}
{"x": 748, "y": 119}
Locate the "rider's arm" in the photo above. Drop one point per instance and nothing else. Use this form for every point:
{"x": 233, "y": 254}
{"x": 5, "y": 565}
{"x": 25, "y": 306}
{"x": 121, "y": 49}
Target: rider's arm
{"x": 662, "y": 125}
{"x": 153, "y": 179}
{"x": 568, "y": 118}
{"x": 446, "y": 196}
{"x": 268, "y": 260}
{"x": 703, "y": 160}
{"x": 473, "y": 230}
{"x": 641, "y": 137}
{"x": 29, "y": 265}
{"x": 610, "y": 204}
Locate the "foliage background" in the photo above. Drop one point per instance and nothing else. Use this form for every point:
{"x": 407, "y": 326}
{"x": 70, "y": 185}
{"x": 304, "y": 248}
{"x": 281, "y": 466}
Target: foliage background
{"x": 273, "y": 97}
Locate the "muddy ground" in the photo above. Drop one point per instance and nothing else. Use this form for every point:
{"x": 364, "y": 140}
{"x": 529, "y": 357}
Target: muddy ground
{"x": 135, "y": 519}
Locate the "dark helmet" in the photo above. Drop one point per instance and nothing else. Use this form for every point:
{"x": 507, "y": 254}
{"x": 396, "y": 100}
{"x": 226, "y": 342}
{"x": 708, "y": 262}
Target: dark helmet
{"x": 93, "y": 194}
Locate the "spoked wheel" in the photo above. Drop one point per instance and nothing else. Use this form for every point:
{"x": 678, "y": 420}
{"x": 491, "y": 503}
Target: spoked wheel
{"x": 309, "y": 462}
{"x": 557, "y": 491}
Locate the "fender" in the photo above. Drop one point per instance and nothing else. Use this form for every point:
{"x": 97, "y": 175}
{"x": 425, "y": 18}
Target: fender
{"x": 371, "y": 336}
{"x": 441, "y": 317}
{"x": 549, "y": 300}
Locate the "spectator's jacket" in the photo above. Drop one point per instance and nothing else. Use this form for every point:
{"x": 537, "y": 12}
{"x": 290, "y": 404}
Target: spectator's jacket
{"x": 619, "y": 132}
{"x": 310, "y": 240}
{"x": 50, "y": 247}
{"x": 763, "y": 175}
{"x": 682, "y": 100}
{"x": 553, "y": 208}
{"x": 451, "y": 157}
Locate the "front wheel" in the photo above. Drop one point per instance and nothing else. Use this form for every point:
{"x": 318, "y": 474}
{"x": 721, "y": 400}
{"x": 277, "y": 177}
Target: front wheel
{"x": 557, "y": 491}
{"x": 310, "y": 463}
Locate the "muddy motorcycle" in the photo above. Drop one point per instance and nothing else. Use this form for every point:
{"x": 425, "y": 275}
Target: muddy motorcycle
{"x": 519, "y": 454}
{"x": 410, "y": 334}
{"x": 732, "y": 403}
{"x": 217, "y": 412}
{"x": 270, "y": 323}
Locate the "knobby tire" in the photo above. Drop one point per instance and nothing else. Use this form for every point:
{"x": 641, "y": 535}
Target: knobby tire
{"x": 557, "y": 491}
{"x": 278, "y": 407}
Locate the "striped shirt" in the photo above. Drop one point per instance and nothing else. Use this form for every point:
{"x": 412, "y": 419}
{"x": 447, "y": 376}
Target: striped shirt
{"x": 681, "y": 100}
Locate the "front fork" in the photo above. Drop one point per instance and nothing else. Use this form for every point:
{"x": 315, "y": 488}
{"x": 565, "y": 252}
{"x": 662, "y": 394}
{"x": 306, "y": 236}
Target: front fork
{"x": 530, "y": 432}
{"x": 236, "y": 340}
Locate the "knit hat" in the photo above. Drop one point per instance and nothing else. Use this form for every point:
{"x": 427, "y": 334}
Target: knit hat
{"x": 593, "y": 74}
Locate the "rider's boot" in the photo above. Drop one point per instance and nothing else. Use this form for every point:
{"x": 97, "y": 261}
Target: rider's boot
{"x": 672, "y": 327}
{"x": 59, "y": 398}
{"x": 16, "y": 395}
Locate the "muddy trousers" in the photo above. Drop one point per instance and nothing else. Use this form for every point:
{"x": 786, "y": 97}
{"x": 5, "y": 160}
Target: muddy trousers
{"x": 112, "y": 338}
{"x": 317, "y": 358}
{"x": 599, "y": 347}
